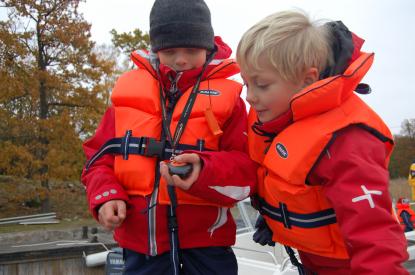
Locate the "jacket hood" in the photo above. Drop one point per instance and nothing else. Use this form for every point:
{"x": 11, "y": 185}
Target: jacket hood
{"x": 339, "y": 80}
{"x": 345, "y": 47}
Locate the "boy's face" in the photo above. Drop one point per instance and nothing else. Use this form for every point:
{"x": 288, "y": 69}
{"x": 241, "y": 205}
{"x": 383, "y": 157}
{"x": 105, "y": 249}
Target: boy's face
{"x": 268, "y": 93}
{"x": 182, "y": 59}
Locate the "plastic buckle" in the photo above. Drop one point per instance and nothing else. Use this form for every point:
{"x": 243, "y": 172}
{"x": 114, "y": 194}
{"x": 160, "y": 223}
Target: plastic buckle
{"x": 125, "y": 144}
{"x": 154, "y": 148}
{"x": 285, "y": 215}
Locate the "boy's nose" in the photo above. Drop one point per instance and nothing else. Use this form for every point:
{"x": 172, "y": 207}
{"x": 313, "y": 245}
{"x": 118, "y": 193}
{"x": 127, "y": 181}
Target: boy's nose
{"x": 250, "y": 97}
{"x": 181, "y": 60}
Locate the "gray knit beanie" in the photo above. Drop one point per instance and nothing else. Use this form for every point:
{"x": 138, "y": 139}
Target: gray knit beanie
{"x": 180, "y": 24}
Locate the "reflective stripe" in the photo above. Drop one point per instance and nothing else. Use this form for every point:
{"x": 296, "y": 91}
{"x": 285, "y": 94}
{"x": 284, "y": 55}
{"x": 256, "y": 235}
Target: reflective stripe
{"x": 152, "y": 223}
{"x": 101, "y": 152}
{"x": 314, "y": 220}
{"x": 221, "y": 219}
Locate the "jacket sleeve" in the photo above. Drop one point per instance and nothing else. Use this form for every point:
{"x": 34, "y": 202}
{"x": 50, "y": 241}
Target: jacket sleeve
{"x": 355, "y": 182}
{"x": 228, "y": 175}
{"x": 99, "y": 180}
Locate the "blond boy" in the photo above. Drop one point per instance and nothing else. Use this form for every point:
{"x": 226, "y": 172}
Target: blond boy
{"x": 323, "y": 180}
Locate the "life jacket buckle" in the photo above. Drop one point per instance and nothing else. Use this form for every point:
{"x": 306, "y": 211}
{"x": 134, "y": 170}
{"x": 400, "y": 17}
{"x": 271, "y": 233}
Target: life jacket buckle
{"x": 125, "y": 144}
{"x": 285, "y": 215}
{"x": 154, "y": 148}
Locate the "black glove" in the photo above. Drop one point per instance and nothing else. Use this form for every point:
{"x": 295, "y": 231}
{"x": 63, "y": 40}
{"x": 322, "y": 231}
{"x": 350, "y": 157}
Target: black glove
{"x": 263, "y": 234}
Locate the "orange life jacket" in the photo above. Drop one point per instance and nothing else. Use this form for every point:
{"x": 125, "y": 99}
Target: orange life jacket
{"x": 299, "y": 214}
{"x": 404, "y": 207}
{"x": 136, "y": 100}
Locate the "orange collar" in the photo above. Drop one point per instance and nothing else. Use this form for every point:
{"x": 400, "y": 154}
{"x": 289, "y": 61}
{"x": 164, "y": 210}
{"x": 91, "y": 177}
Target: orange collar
{"x": 330, "y": 92}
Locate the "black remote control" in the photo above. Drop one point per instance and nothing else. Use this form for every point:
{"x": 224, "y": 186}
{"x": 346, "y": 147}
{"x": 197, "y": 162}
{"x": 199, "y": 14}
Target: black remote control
{"x": 181, "y": 169}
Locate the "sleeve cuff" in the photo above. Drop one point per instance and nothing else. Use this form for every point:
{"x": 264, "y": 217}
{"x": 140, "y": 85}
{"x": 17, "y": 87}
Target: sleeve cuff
{"x": 104, "y": 195}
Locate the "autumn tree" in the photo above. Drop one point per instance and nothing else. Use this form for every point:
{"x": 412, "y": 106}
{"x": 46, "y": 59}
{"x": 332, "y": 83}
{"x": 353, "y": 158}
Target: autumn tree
{"x": 404, "y": 151}
{"x": 408, "y": 128}
{"x": 127, "y": 42}
{"x": 53, "y": 88}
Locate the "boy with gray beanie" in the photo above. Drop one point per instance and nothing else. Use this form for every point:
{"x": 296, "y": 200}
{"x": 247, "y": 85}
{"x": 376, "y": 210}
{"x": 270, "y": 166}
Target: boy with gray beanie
{"x": 172, "y": 217}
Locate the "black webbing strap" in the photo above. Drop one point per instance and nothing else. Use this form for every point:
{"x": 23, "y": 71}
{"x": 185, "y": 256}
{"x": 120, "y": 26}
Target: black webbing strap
{"x": 171, "y": 213}
{"x": 143, "y": 146}
{"x": 173, "y": 231}
{"x": 294, "y": 260}
{"x": 288, "y": 218}
{"x": 174, "y": 141}
{"x": 166, "y": 114}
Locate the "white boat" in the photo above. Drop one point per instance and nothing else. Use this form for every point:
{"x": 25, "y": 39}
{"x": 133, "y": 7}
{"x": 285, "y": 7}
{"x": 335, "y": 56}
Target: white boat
{"x": 256, "y": 259}
{"x": 252, "y": 258}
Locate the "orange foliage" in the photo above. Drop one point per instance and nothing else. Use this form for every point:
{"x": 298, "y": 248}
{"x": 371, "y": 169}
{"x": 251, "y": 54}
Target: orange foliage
{"x": 54, "y": 88}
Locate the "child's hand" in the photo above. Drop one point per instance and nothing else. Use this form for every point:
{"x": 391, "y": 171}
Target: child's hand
{"x": 112, "y": 213}
{"x": 175, "y": 180}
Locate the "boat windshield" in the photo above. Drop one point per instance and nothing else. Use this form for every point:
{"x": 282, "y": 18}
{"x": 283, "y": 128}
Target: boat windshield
{"x": 245, "y": 216}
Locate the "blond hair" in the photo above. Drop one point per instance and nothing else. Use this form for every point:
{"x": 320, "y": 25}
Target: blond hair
{"x": 291, "y": 43}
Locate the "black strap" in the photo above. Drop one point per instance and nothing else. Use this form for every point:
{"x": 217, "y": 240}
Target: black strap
{"x": 174, "y": 141}
{"x": 166, "y": 116}
{"x": 294, "y": 260}
{"x": 171, "y": 213}
{"x": 173, "y": 231}
{"x": 289, "y": 218}
{"x": 144, "y": 146}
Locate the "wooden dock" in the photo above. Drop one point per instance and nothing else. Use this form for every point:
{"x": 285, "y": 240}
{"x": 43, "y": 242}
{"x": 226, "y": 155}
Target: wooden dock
{"x": 51, "y": 257}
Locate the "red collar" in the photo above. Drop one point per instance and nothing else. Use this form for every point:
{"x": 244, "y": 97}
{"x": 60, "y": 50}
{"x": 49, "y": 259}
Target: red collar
{"x": 185, "y": 80}
{"x": 273, "y": 127}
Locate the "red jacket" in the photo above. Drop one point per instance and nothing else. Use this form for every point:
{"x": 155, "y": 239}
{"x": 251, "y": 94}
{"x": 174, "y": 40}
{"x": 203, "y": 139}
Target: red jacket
{"x": 230, "y": 166}
{"x": 374, "y": 240}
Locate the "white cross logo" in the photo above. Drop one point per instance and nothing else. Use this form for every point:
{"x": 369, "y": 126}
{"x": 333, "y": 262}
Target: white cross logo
{"x": 367, "y": 196}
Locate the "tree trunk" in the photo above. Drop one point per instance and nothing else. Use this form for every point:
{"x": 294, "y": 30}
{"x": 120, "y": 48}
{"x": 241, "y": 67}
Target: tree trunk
{"x": 43, "y": 115}
{"x": 45, "y": 206}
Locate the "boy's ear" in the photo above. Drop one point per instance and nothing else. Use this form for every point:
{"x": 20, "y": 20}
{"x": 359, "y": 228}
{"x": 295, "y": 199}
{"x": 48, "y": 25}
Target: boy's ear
{"x": 310, "y": 77}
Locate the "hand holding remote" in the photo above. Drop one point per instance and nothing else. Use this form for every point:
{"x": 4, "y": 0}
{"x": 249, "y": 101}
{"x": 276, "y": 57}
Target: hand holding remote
{"x": 182, "y": 171}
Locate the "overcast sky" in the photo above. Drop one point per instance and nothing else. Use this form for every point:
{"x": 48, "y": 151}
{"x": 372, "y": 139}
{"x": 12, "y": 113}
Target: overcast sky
{"x": 384, "y": 24}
